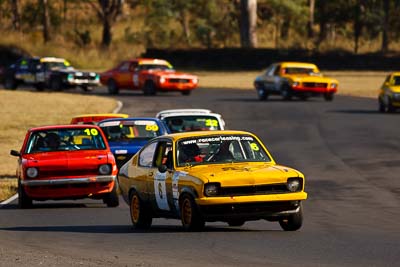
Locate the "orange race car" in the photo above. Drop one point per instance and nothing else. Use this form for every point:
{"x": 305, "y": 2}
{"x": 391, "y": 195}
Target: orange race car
{"x": 149, "y": 75}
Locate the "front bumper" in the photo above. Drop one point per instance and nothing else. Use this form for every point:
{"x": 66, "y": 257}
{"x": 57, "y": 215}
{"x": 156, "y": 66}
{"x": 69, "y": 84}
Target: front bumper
{"x": 83, "y": 82}
{"x": 250, "y": 207}
{"x": 69, "y": 188}
{"x": 313, "y": 90}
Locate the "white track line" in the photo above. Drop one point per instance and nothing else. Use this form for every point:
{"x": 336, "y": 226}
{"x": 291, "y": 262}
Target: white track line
{"x": 8, "y": 201}
{"x": 118, "y": 108}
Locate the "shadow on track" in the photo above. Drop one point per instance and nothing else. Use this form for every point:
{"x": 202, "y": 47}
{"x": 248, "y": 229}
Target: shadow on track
{"x": 122, "y": 229}
{"x": 357, "y": 111}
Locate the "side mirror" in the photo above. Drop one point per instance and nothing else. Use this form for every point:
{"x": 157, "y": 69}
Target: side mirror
{"x": 15, "y": 153}
{"x": 162, "y": 168}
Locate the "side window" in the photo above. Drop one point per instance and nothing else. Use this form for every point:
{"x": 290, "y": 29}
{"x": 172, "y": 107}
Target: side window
{"x": 124, "y": 66}
{"x": 164, "y": 155}
{"x": 147, "y": 155}
{"x": 270, "y": 71}
{"x": 277, "y": 70}
{"x": 24, "y": 64}
{"x": 133, "y": 66}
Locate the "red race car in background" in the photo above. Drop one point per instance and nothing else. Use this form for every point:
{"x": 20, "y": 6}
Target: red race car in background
{"x": 149, "y": 75}
{"x": 66, "y": 162}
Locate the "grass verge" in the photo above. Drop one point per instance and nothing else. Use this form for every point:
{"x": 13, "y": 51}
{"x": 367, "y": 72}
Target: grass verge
{"x": 21, "y": 110}
{"x": 354, "y": 83}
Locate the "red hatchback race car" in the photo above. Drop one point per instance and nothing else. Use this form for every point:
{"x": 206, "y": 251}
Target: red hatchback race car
{"x": 66, "y": 162}
{"x": 149, "y": 75}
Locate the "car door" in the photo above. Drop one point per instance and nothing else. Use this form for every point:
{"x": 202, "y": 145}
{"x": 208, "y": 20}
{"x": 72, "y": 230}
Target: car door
{"x": 124, "y": 75}
{"x": 161, "y": 182}
{"x": 273, "y": 79}
{"x": 21, "y": 72}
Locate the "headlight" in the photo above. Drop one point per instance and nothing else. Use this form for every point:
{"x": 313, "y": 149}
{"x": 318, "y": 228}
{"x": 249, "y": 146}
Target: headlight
{"x": 295, "y": 84}
{"x": 105, "y": 169}
{"x": 162, "y": 80}
{"x": 333, "y": 85}
{"x": 32, "y": 172}
{"x": 70, "y": 77}
{"x": 195, "y": 80}
{"x": 294, "y": 184}
{"x": 211, "y": 189}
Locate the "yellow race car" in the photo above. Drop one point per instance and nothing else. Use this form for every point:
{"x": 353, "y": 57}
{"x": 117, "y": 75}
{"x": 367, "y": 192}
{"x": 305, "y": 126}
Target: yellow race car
{"x": 294, "y": 79}
{"x": 389, "y": 94}
{"x": 200, "y": 177}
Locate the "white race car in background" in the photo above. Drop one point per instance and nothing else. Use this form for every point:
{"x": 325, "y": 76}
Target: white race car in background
{"x": 185, "y": 120}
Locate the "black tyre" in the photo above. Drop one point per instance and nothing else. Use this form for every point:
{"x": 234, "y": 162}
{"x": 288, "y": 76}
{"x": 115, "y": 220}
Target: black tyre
{"x": 293, "y": 222}
{"x": 286, "y": 92}
{"x": 112, "y": 87}
{"x": 262, "y": 94}
{"x": 390, "y": 107}
{"x": 140, "y": 215}
{"x": 328, "y": 96}
{"x": 381, "y": 106}
{"x": 112, "y": 199}
{"x": 55, "y": 84}
{"x": 39, "y": 86}
{"x": 24, "y": 201}
{"x": 236, "y": 222}
{"x": 86, "y": 88}
{"x": 149, "y": 88}
{"x": 10, "y": 83}
{"x": 186, "y": 92}
{"x": 190, "y": 215}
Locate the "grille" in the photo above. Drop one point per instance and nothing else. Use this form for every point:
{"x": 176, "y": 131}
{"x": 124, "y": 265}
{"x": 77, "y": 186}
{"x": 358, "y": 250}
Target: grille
{"x": 68, "y": 173}
{"x": 315, "y": 85}
{"x": 175, "y": 80}
{"x": 253, "y": 190}
{"x": 84, "y": 77}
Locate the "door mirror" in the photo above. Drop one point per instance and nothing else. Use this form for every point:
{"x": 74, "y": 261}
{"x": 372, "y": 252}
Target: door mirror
{"x": 162, "y": 168}
{"x": 15, "y": 153}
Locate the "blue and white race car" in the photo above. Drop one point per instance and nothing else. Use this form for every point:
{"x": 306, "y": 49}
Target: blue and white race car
{"x": 127, "y": 135}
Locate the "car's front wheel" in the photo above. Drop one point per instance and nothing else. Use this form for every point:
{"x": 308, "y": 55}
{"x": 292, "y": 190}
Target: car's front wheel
{"x": 112, "y": 87}
{"x": 190, "y": 215}
{"x": 112, "y": 199}
{"x": 140, "y": 215}
{"x": 186, "y": 92}
{"x": 381, "y": 106}
{"x": 149, "y": 88}
{"x": 292, "y": 222}
{"x": 262, "y": 94}
{"x": 286, "y": 92}
{"x": 55, "y": 84}
{"x": 328, "y": 96}
{"x": 24, "y": 201}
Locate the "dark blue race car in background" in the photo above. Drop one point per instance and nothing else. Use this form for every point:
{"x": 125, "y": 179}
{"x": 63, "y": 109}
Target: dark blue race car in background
{"x": 127, "y": 135}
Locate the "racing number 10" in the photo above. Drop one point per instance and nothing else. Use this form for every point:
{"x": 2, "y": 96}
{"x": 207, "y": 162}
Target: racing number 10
{"x": 92, "y": 131}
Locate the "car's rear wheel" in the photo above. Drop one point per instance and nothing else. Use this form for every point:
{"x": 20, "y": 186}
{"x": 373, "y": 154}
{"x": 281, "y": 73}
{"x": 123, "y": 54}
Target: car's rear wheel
{"x": 112, "y": 87}
{"x": 236, "y": 222}
{"x": 149, "y": 88}
{"x": 39, "y": 86}
{"x": 10, "y": 83}
{"x": 140, "y": 215}
{"x": 186, "y": 92}
{"x": 190, "y": 215}
{"x": 112, "y": 199}
{"x": 262, "y": 94}
{"x": 292, "y": 222}
{"x": 24, "y": 201}
{"x": 328, "y": 96}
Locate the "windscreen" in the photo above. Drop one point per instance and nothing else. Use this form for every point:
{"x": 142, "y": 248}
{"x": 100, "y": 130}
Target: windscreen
{"x": 178, "y": 124}
{"x": 155, "y": 67}
{"x": 220, "y": 149}
{"x": 130, "y": 130}
{"x": 296, "y": 70}
{"x": 65, "y": 139}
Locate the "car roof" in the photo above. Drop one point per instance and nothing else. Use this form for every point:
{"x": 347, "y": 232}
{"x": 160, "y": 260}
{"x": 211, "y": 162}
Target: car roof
{"x": 177, "y": 136}
{"x": 96, "y": 117}
{"x": 131, "y": 119}
{"x": 182, "y": 111}
{"x": 51, "y": 59}
{"x": 297, "y": 64}
{"x": 62, "y": 126}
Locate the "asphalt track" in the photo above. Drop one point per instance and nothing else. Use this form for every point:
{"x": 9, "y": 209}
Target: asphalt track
{"x": 348, "y": 151}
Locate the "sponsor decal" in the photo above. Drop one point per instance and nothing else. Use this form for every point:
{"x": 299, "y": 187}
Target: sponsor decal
{"x": 160, "y": 191}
